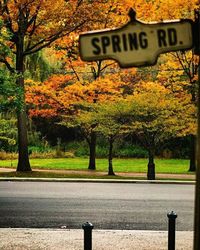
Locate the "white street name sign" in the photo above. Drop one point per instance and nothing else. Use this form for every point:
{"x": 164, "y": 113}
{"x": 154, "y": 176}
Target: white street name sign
{"x": 136, "y": 43}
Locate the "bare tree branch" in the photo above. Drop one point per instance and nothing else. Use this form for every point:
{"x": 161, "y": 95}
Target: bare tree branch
{"x": 49, "y": 40}
{"x": 9, "y": 67}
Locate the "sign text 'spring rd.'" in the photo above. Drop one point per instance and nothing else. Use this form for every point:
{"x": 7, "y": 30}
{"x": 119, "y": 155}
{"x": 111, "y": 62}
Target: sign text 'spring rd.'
{"x": 133, "y": 41}
{"x": 136, "y": 44}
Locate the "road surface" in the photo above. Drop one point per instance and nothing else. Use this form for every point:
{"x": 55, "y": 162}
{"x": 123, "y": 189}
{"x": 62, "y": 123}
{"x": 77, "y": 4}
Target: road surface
{"x": 107, "y": 205}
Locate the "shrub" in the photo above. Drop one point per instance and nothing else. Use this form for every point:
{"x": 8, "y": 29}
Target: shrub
{"x": 77, "y": 148}
{"x": 134, "y": 151}
{"x": 82, "y": 151}
{"x": 42, "y": 155}
{"x": 8, "y": 156}
{"x": 39, "y": 149}
{"x": 50, "y": 155}
{"x": 101, "y": 151}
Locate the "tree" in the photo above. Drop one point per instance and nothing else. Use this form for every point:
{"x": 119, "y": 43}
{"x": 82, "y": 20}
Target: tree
{"x": 74, "y": 99}
{"x": 110, "y": 120}
{"x": 39, "y": 66}
{"x": 179, "y": 73}
{"x": 115, "y": 14}
{"x": 186, "y": 60}
{"x": 103, "y": 118}
{"x": 34, "y": 25}
{"x": 157, "y": 115}
{"x": 8, "y": 103}
{"x": 85, "y": 122}
{"x": 8, "y": 131}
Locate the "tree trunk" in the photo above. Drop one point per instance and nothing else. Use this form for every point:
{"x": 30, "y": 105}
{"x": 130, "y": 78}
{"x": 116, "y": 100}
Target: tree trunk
{"x": 192, "y": 167}
{"x": 151, "y": 166}
{"x": 92, "y": 157}
{"x": 110, "y": 165}
{"x": 23, "y": 157}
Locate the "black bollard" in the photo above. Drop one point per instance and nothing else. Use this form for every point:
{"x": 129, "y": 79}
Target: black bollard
{"x": 87, "y": 227}
{"x": 171, "y": 230}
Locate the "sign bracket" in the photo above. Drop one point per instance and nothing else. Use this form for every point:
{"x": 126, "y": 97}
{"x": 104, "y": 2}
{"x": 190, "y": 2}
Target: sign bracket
{"x": 132, "y": 15}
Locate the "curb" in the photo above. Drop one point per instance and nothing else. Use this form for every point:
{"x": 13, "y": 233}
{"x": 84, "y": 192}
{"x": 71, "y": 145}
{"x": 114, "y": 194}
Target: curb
{"x": 21, "y": 179}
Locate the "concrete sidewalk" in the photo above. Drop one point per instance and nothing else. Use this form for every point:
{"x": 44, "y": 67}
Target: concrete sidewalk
{"x": 68, "y": 239}
{"x": 99, "y": 174}
{"x": 162, "y": 178}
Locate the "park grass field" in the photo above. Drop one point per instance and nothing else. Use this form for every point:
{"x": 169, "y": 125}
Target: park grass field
{"x": 171, "y": 166}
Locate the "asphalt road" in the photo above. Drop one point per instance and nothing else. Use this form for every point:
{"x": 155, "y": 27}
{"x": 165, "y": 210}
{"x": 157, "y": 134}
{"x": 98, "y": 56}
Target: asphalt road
{"x": 106, "y": 205}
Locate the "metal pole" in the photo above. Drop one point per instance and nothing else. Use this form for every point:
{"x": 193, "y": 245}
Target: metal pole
{"x": 171, "y": 230}
{"x": 197, "y": 190}
{"x": 87, "y": 227}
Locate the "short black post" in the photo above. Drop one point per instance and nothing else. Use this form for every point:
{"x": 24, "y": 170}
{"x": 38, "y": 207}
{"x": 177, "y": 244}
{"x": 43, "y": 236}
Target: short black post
{"x": 171, "y": 230}
{"x": 87, "y": 227}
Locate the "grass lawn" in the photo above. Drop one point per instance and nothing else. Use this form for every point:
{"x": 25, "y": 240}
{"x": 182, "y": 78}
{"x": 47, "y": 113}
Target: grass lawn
{"x": 175, "y": 166}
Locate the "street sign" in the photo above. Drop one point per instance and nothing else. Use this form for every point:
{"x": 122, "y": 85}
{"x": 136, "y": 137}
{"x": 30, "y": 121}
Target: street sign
{"x": 136, "y": 43}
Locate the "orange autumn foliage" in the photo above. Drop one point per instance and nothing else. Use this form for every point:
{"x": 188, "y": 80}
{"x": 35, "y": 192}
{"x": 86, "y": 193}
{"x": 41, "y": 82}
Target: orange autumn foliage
{"x": 58, "y": 95}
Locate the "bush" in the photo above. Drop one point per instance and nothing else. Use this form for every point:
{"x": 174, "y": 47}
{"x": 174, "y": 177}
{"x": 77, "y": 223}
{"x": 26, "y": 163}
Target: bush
{"x": 8, "y": 156}
{"x": 39, "y": 149}
{"x": 78, "y": 149}
{"x": 50, "y": 155}
{"x": 132, "y": 151}
{"x": 101, "y": 151}
{"x": 81, "y": 149}
{"x": 42, "y": 155}
{"x": 72, "y": 146}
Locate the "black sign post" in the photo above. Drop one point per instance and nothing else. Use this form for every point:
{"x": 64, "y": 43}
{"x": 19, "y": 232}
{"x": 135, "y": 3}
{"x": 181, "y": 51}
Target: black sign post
{"x": 197, "y": 190}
